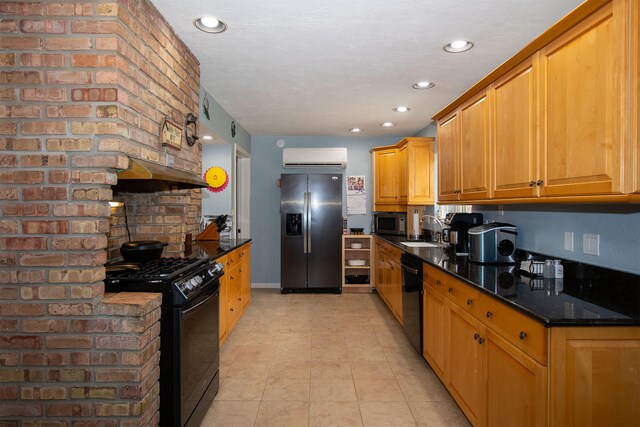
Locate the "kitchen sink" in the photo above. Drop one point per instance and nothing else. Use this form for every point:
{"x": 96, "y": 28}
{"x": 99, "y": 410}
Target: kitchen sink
{"x": 420, "y": 244}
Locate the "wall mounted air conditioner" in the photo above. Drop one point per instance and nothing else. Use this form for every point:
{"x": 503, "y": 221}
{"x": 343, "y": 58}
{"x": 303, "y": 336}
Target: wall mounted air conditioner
{"x": 326, "y": 157}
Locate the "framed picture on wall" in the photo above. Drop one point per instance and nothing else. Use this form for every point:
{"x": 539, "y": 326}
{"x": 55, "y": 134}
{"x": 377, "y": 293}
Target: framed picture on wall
{"x": 170, "y": 133}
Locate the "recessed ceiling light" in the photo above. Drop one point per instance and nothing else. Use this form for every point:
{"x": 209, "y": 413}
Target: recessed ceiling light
{"x": 402, "y": 109}
{"x": 387, "y": 124}
{"x": 210, "y": 24}
{"x": 457, "y": 46}
{"x": 423, "y": 85}
{"x": 355, "y": 130}
{"x": 207, "y": 137}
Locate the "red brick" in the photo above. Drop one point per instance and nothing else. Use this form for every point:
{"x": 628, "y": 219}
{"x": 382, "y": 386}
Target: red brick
{"x": 21, "y": 8}
{"x": 69, "y": 410}
{"x": 94, "y": 358}
{"x": 43, "y": 393}
{"x": 20, "y": 341}
{"x": 22, "y": 177}
{"x": 69, "y": 341}
{"x": 94, "y": 94}
{"x": 69, "y": 9}
{"x": 44, "y": 193}
{"x": 9, "y": 392}
{"x": 58, "y": 177}
{"x": 88, "y": 291}
{"x": 107, "y": 77}
{"x": 26, "y": 209}
{"x": 43, "y": 95}
{"x": 69, "y": 144}
{"x": 94, "y": 27}
{"x": 21, "y": 111}
{"x": 87, "y": 259}
{"x": 43, "y": 26}
{"x": 80, "y": 309}
{"x": 7, "y": 260}
{"x": 8, "y": 359}
{"x": 89, "y": 177}
{"x": 42, "y": 260}
{"x": 68, "y": 77}
{"x": 40, "y": 160}
{"x": 43, "y": 128}
{"x": 45, "y": 325}
{"x": 7, "y": 59}
{"x": 94, "y": 325}
{"x": 106, "y": 423}
{"x": 10, "y": 325}
{"x": 81, "y": 209}
{"x": 77, "y": 243}
{"x": 106, "y": 43}
{"x": 116, "y": 161}
{"x": 44, "y": 359}
{"x": 8, "y": 26}
{"x": 8, "y": 309}
{"x": 7, "y": 128}
{"x": 21, "y": 409}
{"x": 44, "y": 292}
{"x": 31, "y": 276}
{"x": 107, "y": 9}
{"x": 70, "y": 111}
{"x": 45, "y": 227}
{"x": 20, "y": 77}
{"x": 23, "y": 243}
{"x": 7, "y": 94}
{"x": 89, "y": 60}
{"x": 20, "y": 43}
{"x": 42, "y": 60}
{"x": 65, "y": 43}
{"x": 88, "y": 226}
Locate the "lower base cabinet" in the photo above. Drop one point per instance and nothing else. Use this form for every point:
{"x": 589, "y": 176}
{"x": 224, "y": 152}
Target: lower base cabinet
{"x": 587, "y": 376}
{"x": 388, "y": 280}
{"x": 235, "y": 289}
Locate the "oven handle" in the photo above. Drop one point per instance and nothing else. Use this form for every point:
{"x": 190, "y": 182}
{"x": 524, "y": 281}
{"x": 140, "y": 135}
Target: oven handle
{"x": 409, "y": 269}
{"x": 190, "y": 309}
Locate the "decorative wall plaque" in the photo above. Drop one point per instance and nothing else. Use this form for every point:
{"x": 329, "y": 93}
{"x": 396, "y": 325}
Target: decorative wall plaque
{"x": 170, "y": 133}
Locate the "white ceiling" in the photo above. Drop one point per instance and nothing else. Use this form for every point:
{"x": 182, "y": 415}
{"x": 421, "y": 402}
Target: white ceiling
{"x": 320, "y": 67}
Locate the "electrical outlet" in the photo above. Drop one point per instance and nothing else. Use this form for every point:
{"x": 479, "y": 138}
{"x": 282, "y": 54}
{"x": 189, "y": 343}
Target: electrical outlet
{"x": 591, "y": 244}
{"x": 568, "y": 241}
{"x": 500, "y": 209}
{"x": 170, "y": 160}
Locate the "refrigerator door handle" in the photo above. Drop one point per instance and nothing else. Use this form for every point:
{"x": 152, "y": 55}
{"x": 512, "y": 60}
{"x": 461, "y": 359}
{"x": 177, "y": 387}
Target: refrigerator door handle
{"x": 305, "y": 223}
{"x": 309, "y": 222}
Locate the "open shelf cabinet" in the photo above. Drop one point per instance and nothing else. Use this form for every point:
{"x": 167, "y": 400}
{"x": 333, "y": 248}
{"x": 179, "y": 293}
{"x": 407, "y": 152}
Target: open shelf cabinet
{"x": 357, "y": 247}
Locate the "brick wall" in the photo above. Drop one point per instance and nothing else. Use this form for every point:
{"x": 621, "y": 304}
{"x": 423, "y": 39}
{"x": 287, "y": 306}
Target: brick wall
{"x": 82, "y": 86}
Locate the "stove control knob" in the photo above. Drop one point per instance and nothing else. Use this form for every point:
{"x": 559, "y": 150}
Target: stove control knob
{"x": 192, "y": 283}
{"x": 198, "y": 280}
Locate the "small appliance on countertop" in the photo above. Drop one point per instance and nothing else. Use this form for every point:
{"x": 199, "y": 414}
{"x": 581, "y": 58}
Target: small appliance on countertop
{"x": 456, "y": 232}
{"x": 493, "y": 243}
{"x": 390, "y": 223}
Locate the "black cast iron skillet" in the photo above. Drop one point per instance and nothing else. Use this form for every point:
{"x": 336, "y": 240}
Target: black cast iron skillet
{"x": 142, "y": 250}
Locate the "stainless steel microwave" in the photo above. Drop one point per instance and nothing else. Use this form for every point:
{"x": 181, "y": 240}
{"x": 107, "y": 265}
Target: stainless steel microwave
{"x": 391, "y": 223}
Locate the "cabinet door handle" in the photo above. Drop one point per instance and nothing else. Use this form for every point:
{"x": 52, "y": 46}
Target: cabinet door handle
{"x": 522, "y": 335}
{"x": 532, "y": 183}
{"x": 450, "y": 290}
{"x": 231, "y": 309}
{"x": 489, "y": 314}
{"x": 469, "y": 301}
{"x": 438, "y": 282}
{"x": 476, "y": 336}
{"x": 481, "y": 340}
{"x": 540, "y": 182}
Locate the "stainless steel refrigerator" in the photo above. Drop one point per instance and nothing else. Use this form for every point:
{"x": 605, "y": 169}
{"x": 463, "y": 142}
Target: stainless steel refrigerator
{"x": 310, "y": 232}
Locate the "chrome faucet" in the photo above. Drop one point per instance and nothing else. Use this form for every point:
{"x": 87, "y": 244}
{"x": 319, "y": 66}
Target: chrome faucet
{"x": 437, "y": 237}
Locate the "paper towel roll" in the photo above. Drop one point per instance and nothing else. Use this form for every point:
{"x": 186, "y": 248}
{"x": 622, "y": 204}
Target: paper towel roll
{"x": 416, "y": 224}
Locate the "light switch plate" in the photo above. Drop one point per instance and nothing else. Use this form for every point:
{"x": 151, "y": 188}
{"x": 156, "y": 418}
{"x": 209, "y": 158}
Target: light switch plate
{"x": 591, "y": 244}
{"x": 568, "y": 241}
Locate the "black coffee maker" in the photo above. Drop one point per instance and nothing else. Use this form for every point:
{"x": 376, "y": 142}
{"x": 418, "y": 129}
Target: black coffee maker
{"x": 456, "y": 234}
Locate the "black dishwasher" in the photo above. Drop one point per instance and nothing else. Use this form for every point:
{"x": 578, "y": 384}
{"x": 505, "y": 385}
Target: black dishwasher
{"x": 412, "y": 299}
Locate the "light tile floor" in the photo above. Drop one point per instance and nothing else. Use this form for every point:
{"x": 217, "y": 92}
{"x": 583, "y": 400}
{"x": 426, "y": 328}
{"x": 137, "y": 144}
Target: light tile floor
{"x": 325, "y": 360}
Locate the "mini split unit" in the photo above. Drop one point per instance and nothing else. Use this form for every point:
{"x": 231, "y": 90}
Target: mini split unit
{"x": 327, "y": 157}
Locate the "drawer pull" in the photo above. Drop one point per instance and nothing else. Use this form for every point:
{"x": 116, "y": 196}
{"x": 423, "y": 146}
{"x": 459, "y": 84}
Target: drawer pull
{"x": 438, "y": 282}
{"x": 231, "y": 309}
{"x": 476, "y": 336}
{"x": 539, "y": 182}
{"x": 450, "y": 290}
{"x": 469, "y": 301}
{"x": 481, "y": 340}
{"x": 522, "y": 335}
{"x": 489, "y": 314}
{"x": 532, "y": 183}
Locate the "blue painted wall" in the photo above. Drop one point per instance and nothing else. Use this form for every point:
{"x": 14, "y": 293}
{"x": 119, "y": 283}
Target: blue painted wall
{"x": 220, "y": 123}
{"x": 541, "y": 229}
{"x": 217, "y": 155}
{"x": 266, "y": 168}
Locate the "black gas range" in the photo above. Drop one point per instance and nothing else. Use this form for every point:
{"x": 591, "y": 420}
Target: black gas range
{"x": 189, "y": 358}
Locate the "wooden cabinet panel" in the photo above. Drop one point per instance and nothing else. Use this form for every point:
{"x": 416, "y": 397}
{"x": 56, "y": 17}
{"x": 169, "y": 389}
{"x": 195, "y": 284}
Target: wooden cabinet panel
{"x": 584, "y": 123}
{"x": 474, "y": 149}
{"x": 434, "y": 329}
{"x": 595, "y": 376}
{"x": 223, "y": 327}
{"x": 515, "y": 132}
{"x": 403, "y": 173}
{"x": 420, "y": 172}
{"x": 448, "y": 140}
{"x": 389, "y": 277}
{"x": 386, "y": 176}
{"x": 516, "y": 391}
{"x": 635, "y": 97}
{"x": 245, "y": 274}
{"x": 466, "y": 360}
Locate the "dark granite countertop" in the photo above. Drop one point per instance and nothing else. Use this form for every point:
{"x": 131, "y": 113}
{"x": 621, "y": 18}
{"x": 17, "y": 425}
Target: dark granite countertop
{"x": 586, "y": 296}
{"x": 217, "y": 248}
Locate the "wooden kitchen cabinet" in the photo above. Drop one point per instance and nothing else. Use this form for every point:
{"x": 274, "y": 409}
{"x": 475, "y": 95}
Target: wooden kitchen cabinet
{"x": 635, "y": 98}
{"x": 403, "y": 174}
{"x": 464, "y": 152}
{"x": 584, "y": 119}
{"x": 515, "y": 135}
{"x": 434, "y": 319}
{"x": 592, "y": 371}
{"x": 235, "y": 289}
{"x": 388, "y": 280}
{"x": 364, "y": 252}
{"x": 245, "y": 275}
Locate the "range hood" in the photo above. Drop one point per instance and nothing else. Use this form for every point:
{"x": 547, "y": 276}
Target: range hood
{"x": 146, "y": 177}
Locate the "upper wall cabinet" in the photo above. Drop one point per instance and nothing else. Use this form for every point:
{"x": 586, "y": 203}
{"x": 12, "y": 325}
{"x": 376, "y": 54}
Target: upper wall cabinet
{"x": 403, "y": 175}
{"x": 555, "y": 115}
{"x": 463, "y": 152}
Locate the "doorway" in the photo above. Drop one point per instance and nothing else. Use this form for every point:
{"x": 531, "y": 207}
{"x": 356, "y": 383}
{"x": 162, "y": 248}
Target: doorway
{"x": 242, "y": 190}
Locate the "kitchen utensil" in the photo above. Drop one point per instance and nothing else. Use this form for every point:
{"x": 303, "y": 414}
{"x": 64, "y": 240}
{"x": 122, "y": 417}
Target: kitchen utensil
{"x": 142, "y": 250}
{"x": 357, "y": 278}
{"x": 356, "y": 245}
{"x": 356, "y": 262}
{"x": 122, "y": 266}
{"x": 221, "y": 222}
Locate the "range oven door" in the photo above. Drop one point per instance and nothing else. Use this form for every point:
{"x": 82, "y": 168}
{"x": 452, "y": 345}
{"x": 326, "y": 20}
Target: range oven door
{"x": 199, "y": 358}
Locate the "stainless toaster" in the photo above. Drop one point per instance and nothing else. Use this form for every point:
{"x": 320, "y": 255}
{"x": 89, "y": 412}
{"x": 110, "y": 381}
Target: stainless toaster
{"x": 493, "y": 243}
